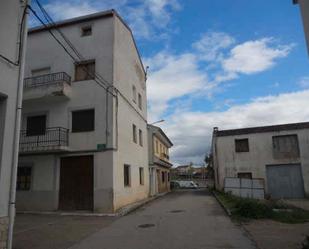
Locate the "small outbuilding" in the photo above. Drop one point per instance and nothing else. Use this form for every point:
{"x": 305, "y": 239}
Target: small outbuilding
{"x": 277, "y": 156}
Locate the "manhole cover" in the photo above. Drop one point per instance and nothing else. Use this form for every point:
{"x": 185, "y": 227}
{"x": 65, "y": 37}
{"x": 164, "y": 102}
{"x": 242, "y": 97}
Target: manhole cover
{"x": 146, "y": 225}
{"x": 177, "y": 211}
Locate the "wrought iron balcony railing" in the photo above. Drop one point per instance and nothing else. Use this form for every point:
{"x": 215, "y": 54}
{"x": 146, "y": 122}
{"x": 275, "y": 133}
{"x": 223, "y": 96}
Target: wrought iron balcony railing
{"x": 49, "y": 139}
{"x": 47, "y": 79}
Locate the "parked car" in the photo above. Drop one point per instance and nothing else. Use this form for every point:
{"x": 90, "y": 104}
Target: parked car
{"x": 184, "y": 184}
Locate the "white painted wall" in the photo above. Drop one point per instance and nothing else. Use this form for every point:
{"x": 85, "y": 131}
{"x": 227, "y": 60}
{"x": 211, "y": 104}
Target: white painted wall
{"x": 304, "y": 6}
{"x": 128, "y": 70}
{"x": 228, "y": 163}
{"x": 112, "y": 47}
{"x": 10, "y": 16}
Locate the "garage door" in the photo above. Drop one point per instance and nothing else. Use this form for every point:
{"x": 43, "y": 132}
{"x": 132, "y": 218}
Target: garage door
{"x": 76, "y": 183}
{"x": 285, "y": 181}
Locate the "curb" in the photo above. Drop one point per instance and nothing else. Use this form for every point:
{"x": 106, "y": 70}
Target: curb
{"x": 131, "y": 208}
{"x": 227, "y": 211}
{"x": 69, "y": 214}
{"x": 240, "y": 225}
{"x": 121, "y": 212}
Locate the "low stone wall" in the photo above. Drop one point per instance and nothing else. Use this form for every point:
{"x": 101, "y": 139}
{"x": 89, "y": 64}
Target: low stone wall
{"x": 4, "y": 221}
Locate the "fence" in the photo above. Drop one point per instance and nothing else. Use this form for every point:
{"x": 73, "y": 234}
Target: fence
{"x": 243, "y": 187}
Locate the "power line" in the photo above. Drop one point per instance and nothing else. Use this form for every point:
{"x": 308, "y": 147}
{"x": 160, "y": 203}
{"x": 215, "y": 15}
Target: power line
{"x": 97, "y": 77}
{"x": 66, "y": 50}
{"x": 20, "y": 40}
{"x": 74, "y": 49}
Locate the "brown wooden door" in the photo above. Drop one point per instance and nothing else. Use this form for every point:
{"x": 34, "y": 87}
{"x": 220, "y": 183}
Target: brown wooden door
{"x": 76, "y": 183}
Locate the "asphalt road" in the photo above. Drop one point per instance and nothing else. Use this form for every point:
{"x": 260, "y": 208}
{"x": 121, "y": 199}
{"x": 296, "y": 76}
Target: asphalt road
{"x": 188, "y": 219}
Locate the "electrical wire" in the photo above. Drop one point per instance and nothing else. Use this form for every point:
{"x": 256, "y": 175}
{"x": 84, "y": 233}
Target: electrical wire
{"x": 96, "y": 77}
{"x": 20, "y": 40}
{"x": 66, "y": 50}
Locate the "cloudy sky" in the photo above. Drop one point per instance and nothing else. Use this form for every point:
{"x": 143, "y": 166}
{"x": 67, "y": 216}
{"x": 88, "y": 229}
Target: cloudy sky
{"x": 213, "y": 63}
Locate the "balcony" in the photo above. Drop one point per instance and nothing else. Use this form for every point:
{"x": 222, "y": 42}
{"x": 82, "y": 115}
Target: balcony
{"x": 165, "y": 156}
{"x": 52, "y": 86}
{"x": 55, "y": 139}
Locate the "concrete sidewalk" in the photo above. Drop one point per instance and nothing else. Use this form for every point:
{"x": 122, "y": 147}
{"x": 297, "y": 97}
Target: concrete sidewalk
{"x": 185, "y": 219}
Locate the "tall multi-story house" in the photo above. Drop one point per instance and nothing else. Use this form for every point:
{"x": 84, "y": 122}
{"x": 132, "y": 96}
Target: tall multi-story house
{"x": 304, "y": 7}
{"x": 12, "y": 40}
{"x": 83, "y": 141}
{"x": 159, "y": 163}
{"x": 275, "y": 155}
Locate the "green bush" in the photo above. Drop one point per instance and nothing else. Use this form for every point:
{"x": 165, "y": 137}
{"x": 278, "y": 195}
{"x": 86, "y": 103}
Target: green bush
{"x": 253, "y": 209}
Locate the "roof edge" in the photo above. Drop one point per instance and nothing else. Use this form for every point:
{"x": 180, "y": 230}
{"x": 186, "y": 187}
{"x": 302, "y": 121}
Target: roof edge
{"x": 261, "y": 129}
{"x": 162, "y": 133}
{"x": 85, "y": 18}
{"x": 74, "y": 20}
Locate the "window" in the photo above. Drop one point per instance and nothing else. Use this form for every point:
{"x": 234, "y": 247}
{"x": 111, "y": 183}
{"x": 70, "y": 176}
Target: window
{"x": 242, "y": 145}
{"x": 85, "y": 70}
{"x": 285, "y": 146}
{"x": 246, "y": 175}
{"x": 140, "y": 101}
{"x": 126, "y": 175}
{"x": 83, "y": 120}
{"x": 24, "y": 178}
{"x": 163, "y": 176}
{"x": 157, "y": 146}
{"x": 36, "y": 125}
{"x": 141, "y": 176}
{"x": 134, "y": 93}
{"x": 134, "y": 133}
{"x": 140, "y": 136}
{"x": 86, "y": 31}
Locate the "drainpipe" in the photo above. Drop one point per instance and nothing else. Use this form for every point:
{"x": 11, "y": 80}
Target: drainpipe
{"x": 17, "y": 125}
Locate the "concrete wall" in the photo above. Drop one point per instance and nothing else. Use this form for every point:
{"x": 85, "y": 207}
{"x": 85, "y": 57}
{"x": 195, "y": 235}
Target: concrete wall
{"x": 10, "y": 16}
{"x": 228, "y": 163}
{"x": 304, "y": 5}
{"x": 128, "y": 71}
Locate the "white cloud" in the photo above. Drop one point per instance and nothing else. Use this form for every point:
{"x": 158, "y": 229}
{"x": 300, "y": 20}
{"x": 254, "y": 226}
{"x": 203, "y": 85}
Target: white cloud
{"x": 254, "y": 56}
{"x": 64, "y": 10}
{"x": 148, "y": 19}
{"x": 191, "y": 131}
{"x": 172, "y": 76}
{"x": 304, "y": 82}
{"x": 211, "y": 44}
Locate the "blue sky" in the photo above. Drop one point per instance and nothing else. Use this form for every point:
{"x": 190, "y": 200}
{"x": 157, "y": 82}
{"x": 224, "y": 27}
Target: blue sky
{"x": 219, "y": 63}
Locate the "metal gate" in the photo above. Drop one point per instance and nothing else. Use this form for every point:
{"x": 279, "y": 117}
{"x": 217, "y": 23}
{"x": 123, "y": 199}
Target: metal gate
{"x": 285, "y": 181}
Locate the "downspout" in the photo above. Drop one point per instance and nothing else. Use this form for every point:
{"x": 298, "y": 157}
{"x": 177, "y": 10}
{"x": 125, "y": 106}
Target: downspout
{"x": 17, "y": 127}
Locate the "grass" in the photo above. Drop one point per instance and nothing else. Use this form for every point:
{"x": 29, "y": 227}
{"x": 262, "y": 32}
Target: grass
{"x": 246, "y": 209}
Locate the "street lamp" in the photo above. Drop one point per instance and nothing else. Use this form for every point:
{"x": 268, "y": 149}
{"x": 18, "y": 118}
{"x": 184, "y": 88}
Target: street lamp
{"x": 160, "y": 121}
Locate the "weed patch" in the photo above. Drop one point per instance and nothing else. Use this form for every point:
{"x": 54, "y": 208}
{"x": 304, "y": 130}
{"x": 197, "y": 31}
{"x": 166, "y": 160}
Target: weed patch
{"x": 244, "y": 208}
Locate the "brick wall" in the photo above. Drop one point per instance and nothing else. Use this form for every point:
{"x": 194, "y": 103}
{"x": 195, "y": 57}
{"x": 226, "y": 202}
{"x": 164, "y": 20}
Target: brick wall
{"x": 3, "y": 232}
